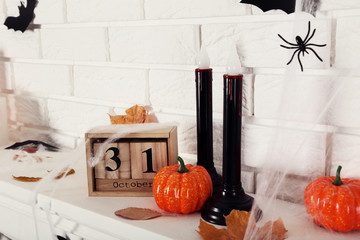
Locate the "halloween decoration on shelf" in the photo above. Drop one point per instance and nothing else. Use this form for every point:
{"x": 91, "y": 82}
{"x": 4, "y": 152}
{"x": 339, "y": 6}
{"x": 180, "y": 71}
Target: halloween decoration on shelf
{"x": 123, "y": 159}
{"x": 231, "y": 195}
{"x": 334, "y": 203}
{"x": 26, "y": 15}
{"x": 204, "y": 117}
{"x": 287, "y": 6}
{"x": 240, "y": 223}
{"x": 134, "y": 213}
{"x": 301, "y": 46}
{"x": 135, "y": 114}
{"x": 32, "y": 146}
{"x": 182, "y": 188}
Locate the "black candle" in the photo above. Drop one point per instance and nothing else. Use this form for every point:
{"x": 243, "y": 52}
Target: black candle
{"x": 232, "y": 130}
{"x": 204, "y": 118}
{"x": 231, "y": 195}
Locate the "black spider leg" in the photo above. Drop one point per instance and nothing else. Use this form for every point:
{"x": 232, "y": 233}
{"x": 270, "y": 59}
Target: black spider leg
{"x": 288, "y": 47}
{"x": 312, "y": 35}
{"x": 292, "y": 57}
{"x": 305, "y": 39}
{"x": 291, "y": 44}
{"x": 316, "y": 45}
{"x": 301, "y": 66}
{"x": 315, "y": 53}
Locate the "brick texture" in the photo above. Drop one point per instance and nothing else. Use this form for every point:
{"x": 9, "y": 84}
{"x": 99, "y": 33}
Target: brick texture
{"x": 154, "y": 44}
{"x": 111, "y": 84}
{"x": 45, "y": 78}
{"x": 103, "y": 10}
{"x": 163, "y": 9}
{"x": 72, "y": 44}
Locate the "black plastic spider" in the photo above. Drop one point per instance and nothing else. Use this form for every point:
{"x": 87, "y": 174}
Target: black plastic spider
{"x": 302, "y": 46}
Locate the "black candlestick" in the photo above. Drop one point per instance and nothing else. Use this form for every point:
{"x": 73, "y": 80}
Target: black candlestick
{"x": 204, "y": 119}
{"x": 231, "y": 195}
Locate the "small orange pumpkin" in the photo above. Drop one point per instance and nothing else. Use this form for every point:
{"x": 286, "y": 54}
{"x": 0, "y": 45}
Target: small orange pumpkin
{"x": 182, "y": 188}
{"x": 334, "y": 203}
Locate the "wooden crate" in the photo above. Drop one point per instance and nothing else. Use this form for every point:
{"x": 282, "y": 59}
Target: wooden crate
{"x": 128, "y": 164}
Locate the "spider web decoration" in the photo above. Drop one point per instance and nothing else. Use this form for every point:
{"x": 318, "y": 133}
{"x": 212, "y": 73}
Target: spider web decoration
{"x": 302, "y": 46}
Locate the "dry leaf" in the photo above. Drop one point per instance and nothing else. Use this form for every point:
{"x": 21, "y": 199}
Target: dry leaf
{"x": 36, "y": 179}
{"x": 209, "y": 232}
{"x": 237, "y": 223}
{"x": 27, "y": 179}
{"x": 26, "y": 158}
{"x": 60, "y": 175}
{"x": 135, "y": 114}
{"x": 134, "y": 213}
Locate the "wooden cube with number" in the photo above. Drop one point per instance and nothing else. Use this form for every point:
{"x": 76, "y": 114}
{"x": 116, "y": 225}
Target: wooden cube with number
{"x": 122, "y": 162}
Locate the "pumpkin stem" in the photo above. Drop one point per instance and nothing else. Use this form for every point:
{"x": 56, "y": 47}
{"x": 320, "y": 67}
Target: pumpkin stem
{"x": 337, "y": 180}
{"x": 182, "y": 168}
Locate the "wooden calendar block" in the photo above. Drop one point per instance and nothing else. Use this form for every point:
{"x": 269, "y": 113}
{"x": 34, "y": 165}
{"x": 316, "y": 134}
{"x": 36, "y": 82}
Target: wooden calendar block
{"x": 125, "y": 169}
{"x": 147, "y": 158}
{"x": 113, "y": 150}
{"x": 126, "y": 165}
{"x": 100, "y": 165}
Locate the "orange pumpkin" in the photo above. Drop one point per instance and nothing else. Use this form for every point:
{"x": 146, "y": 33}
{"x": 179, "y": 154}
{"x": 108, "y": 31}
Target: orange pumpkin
{"x": 334, "y": 203}
{"x": 182, "y": 188}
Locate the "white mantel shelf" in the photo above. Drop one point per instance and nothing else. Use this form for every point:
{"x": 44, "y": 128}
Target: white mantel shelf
{"x": 72, "y": 212}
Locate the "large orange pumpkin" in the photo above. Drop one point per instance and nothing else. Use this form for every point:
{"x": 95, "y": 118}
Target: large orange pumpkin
{"x": 182, "y": 188}
{"x": 334, "y": 203}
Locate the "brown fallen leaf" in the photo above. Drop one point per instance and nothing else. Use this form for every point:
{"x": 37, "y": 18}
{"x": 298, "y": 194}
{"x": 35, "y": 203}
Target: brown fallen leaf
{"x": 60, "y": 175}
{"x": 20, "y": 158}
{"x": 27, "y": 179}
{"x": 238, "y": 222}
{"x": 134, "y": 213}
{"x": 209, "y": 232}
{"x": 36, "y": 179}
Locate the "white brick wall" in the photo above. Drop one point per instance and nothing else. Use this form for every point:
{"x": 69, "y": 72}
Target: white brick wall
{"x": 154, "y": 44}
{"x": 85, "y": 58}
{"x": 21, "y": 45}
{"x": 346, "y": 152}
{"x": 300, "y": 92}
{"x": 50, "y": 11}
{"x": 89, "y": 44}
{"x": 121, "y": 85}
{"x": 296, "y": 152}
{"x": 104, "y": 10}
{"x": 163, "y": 9}
{"x": 347, "y": 42}
{"x": 75, "y": 118}
{"x": 44, "y": 78}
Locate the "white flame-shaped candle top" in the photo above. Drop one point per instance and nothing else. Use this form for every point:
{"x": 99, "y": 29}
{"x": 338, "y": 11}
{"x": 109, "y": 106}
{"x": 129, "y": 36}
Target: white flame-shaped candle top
{"x": 233, "y": 65}
{"x": 203, "y": 59}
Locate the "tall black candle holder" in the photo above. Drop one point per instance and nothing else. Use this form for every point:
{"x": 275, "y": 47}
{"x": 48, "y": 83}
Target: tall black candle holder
{"x": 204, "y": 120}
{"x": 231, "y": 195}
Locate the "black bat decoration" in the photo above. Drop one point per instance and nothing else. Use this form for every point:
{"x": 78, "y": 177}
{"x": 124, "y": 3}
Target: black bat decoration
{"x": 287, "y": 6}
{"x": 33, "y": 144}
{"x": 26, "y": 15}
